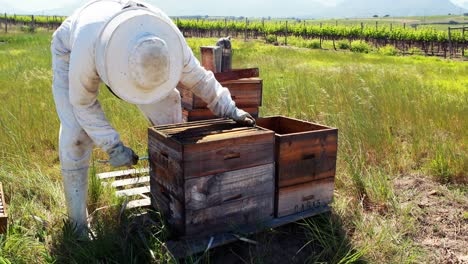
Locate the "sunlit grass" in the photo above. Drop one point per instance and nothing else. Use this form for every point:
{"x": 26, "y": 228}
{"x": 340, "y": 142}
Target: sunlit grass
{"x": 396, "y": 116}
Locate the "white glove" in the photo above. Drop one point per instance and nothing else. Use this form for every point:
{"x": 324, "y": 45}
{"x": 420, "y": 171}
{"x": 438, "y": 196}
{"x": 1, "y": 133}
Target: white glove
{"x": 241, "y": 117}
{"x": 121, "y": 155}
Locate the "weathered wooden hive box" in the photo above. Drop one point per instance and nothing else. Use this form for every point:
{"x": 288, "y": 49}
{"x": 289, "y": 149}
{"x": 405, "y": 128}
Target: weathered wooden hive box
{"x": 3, "y": 212}
{"x": 305, "y": 156}
{"x": 211, "y": 176}
{"x": 247, "y": 93}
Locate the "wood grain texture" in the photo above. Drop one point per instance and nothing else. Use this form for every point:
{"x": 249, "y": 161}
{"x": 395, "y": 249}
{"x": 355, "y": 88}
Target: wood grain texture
{"x": 206, "y": 114}
{"x": 205, "y": 149}
{"x": 129, "y": 181}
{"x": 230, "y": 215}
{"x": 232, "y": 153}
{"x": 122, "y": 173}
{"x": 217, "y": 189}
{"x": 247, "y": 93}
{"x": 139, "y": 203}
{"x": 165, "y": 158}
{"x": 188, "y": 246}
{"x": 133, "y": 191}
{"x": 302, "y": 197}
{"x": 209, "y": 176}
{"x": 3, "y": 212}
{"x": 237, "y": 74}
{"x": 211, "y": 57}
{"x": 306, "y": 157}
{"x": 170, "y": 207}
{"x": 304, "y": 151}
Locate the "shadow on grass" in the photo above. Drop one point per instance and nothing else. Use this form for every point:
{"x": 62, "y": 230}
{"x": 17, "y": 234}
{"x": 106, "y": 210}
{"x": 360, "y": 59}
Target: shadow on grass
{"x": 319, "y": 239}
{"x": 130, "y": 238}
{"x": 115, "y": 238}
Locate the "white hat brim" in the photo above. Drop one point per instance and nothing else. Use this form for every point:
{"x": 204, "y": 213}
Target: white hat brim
{"x": 117, "y": 40}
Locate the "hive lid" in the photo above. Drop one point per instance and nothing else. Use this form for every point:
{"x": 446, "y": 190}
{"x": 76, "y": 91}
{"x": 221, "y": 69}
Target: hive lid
{"x": 207, "y": 131}
{"x": 245, "y": 80}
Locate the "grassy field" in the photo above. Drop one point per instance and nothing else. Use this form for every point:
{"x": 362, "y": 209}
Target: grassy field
{"x": 401, "y": 193}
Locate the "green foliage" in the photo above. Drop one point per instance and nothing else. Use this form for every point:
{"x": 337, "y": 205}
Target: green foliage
{"x": 396, "y": 116}
{"x": 325, "y": 232}
{"x": 360, "y": 47}
{"x": 446, "y": 166}
{"x": 389, "y": 50}
{"x": 314, "y": 44}
{"x": 344, "y": 45}
{"x": 298, "y": 29}
{"x": 28, "y": 29}
{"x": 271, "y": 39}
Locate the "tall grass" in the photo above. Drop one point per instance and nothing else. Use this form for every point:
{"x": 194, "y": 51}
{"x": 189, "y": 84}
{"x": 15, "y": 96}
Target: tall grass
{"x": 396, "y": 116}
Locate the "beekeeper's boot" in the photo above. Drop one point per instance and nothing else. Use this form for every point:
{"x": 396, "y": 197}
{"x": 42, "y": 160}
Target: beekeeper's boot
{"x": 75, "y": 185}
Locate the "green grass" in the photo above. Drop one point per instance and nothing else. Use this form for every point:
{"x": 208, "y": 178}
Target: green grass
{"x": 396, "y": 116}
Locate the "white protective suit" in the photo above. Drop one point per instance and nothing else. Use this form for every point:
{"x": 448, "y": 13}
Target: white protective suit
{"x": 75, "y": 90}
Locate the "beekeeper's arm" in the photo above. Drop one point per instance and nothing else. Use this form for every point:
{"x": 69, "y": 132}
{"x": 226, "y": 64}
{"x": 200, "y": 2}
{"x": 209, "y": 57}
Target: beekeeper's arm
{"x": 84, "y": 84}
{"x": 204, "y": 85}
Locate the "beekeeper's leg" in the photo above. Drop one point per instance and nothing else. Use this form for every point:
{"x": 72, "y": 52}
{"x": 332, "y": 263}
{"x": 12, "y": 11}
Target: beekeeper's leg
{"x": 75, "y": 146}
{"x": 166, "y": 111}
{"x": 75, "y": 149}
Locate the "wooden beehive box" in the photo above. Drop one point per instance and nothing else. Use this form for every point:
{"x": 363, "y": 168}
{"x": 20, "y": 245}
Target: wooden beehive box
{"x": 211, "y": 58}
{"x": 206, "y": 114}
{"x": 247, "y": 93}
{"x": 3, "y": 212}
{"x": 211, "y": 176}
{"x": 305, "y": 156}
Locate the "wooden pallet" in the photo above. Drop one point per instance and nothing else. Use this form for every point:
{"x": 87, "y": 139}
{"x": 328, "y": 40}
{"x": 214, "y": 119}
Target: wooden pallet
{"x": 3, "y": 212}
{"x": 189, "y": 246}
{"x": 185, "y": 247}
{"x": 133, "y": 184}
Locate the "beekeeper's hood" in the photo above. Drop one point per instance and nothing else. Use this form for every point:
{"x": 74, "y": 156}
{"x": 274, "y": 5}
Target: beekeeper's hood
{"x": 139, "y": 55}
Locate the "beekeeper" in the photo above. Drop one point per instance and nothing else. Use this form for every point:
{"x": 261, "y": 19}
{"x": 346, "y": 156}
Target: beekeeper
{"x": 138, "y": 52}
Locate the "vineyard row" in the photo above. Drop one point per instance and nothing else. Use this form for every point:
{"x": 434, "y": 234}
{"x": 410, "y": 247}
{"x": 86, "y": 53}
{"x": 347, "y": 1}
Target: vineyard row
{"x": 428, "y": 39}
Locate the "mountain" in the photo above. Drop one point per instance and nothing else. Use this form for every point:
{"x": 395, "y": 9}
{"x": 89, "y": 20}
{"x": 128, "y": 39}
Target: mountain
{"x": 266, "y": 8}
{"x": 368, "y": 8}
{"x": 62, "y": 11}
{"x": 247, "y": 8}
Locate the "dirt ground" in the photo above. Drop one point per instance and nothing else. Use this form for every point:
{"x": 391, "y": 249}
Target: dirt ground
{"x": 441, "y": 215}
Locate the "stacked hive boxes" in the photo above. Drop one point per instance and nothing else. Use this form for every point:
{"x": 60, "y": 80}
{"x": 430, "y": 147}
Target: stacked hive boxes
{"x": 245, "y": 90}
{"x": 212, "y": 176}
{"x": 247, "y": 93}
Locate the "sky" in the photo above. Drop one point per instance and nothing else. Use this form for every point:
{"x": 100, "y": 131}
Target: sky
{"x": 38, "y": 5}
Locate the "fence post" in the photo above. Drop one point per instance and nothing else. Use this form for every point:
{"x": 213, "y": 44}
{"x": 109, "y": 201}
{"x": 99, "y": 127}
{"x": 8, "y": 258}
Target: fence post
{"x": 320, "y": 35}
{"x": 450, "y": 41}
{"x": 32, "y": 23}
{"x": 245, "y": 31}
{"x": 6, "y": 24}
{"x": 286, "y": 35}
{"x": 463, "y": 45}
{"x": 376, "y": 25}
{"x": 404, "y": 25}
